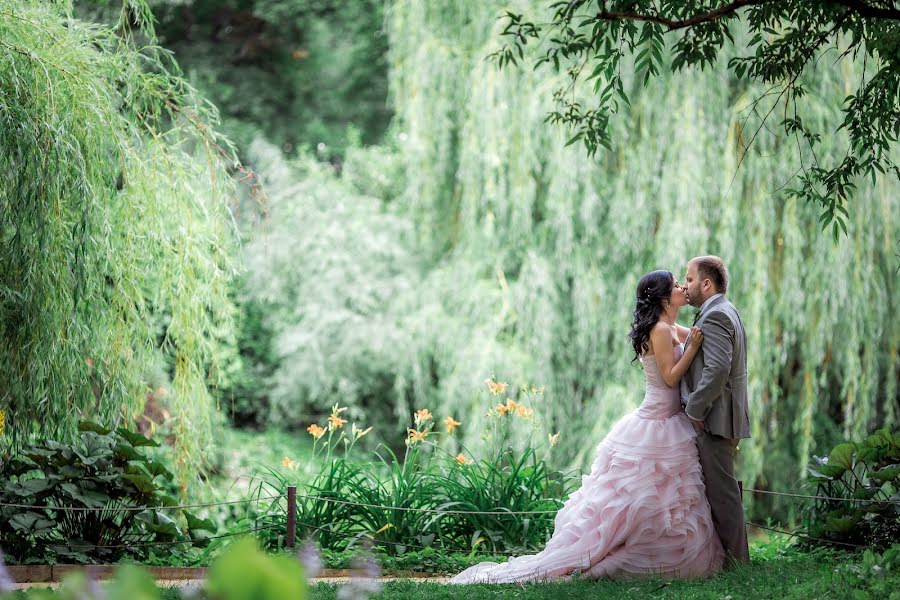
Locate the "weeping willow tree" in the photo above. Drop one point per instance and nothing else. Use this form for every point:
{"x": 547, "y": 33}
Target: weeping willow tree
{"x": 535, "y": 248}
{"x": 113, "y": 227}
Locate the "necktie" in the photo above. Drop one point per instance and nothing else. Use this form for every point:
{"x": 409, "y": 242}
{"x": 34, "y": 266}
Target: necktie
{"x": 696, "y": 316}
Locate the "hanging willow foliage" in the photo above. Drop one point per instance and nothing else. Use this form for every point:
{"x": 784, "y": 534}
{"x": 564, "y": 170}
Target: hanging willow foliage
{"x": 536, "y": 248}
{"x": 113, "y": 227}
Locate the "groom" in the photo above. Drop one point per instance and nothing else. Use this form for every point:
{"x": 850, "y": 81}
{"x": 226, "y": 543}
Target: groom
{"x": 714, "y": 395}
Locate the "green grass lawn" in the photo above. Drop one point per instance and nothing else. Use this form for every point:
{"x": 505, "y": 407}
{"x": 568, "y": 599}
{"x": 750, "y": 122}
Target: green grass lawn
{"x": 801, "y": 577}
{"x": 784, "y": 573}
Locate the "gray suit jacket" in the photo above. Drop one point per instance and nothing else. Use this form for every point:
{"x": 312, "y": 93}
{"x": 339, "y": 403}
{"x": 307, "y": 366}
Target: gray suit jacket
{"x": 714, "y": 389}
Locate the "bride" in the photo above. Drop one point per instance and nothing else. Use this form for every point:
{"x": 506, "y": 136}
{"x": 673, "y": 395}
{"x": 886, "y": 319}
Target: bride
{"x": 643, "y": 508}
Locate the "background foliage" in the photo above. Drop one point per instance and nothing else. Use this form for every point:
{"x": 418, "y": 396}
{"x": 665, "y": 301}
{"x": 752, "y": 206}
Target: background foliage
{"x": 444, "y": 233}
{"x": 114, "y": 228}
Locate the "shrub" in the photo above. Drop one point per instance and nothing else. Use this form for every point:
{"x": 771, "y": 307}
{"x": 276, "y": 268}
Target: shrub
{"x": 863, "y": 481}
{"x": 103, "y": 471}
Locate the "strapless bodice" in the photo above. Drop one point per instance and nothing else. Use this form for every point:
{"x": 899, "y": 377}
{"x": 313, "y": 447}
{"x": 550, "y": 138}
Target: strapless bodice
{"x": 660, "y": 400}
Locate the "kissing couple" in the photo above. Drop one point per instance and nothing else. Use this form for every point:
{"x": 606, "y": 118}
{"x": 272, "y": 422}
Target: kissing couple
{"x": 661, "y": 497}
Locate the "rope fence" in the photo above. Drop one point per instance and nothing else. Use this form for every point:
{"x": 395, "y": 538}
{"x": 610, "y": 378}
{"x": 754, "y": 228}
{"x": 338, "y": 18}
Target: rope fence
{"x": 76, "y": 546}
{"x": 440, "y": 511}
{"x": 139, "y": 508}
{"x": 292, "y": 523}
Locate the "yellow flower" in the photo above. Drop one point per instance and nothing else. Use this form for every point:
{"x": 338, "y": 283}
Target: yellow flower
{"x": 451, "y": 424}
{"x": 553, "y": 439}
{"x": 358, "y": 433}
{"x": 421, "y": 416}
{"x": 415, "y": 436}
{"x": 287, "y": 462}
{"x": 335, "y": 422}
{"x": 461, "y": 459}
{"x": 511, "y": 405}
{"x": 524, "y": 411}
{"x": 496, "y": 388}
{"x": 315, "y": 431}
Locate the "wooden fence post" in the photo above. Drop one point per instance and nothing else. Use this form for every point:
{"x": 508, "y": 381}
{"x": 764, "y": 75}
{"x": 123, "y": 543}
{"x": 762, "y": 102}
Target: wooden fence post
{"x": 291, "y": 515}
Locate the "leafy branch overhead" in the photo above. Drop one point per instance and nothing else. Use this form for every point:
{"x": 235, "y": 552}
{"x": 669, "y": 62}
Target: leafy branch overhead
{"x": 590, "y": 39}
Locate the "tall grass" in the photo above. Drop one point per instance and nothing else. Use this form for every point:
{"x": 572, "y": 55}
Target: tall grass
{"x": 425, "y": 496}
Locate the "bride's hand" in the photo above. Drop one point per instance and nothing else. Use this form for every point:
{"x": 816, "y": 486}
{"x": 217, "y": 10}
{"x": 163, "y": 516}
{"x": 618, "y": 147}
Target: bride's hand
{"x": 696, "y": 338}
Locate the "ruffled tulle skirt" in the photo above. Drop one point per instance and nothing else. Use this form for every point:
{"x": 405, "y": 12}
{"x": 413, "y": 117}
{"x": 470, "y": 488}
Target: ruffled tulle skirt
{"x": 642, "y": 510}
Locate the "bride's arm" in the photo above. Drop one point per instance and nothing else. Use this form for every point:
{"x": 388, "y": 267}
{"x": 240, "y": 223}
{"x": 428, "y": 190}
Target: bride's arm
{"x": 672, "y": 371}
{"x": 682, "y": 332}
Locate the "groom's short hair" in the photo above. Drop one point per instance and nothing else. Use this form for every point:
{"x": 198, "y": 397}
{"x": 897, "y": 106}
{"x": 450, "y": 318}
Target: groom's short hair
{"x": 714, "y": 269}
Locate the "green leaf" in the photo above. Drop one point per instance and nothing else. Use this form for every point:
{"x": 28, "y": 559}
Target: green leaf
{"x": 840, "y": 525}
{"x": 128, "y": 453}
{"x": 91, "y": 426}
{"x": 31, "y": 522}
{"x": 143, "y": 484}
{"x": 133, "y": 583}
{"x": 842, "y": 456}
{"x": 159, "y": 522}
{"x": 195, "y": 523}
{"x": 136, "y": 439}
{"x": 888, "y": 473}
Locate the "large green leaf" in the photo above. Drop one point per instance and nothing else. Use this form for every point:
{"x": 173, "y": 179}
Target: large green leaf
{"x": 30, "y": 487}
{"x": 127, "y": 452}
{"x": 840, "y": 525}
{"x": 159, "y": 522}
{"x": 89, "y": 498}
{"x": 888, "y": 473}
{"x": 133, "y": 583}
{"x": 842, "y": 456}
{"x": 93, "y": 448}
{"x": 195, "y": 523}
{"x": 31, "y": 522}
{"x": 136, "y": 439}
{"x": 156, "y": 469}
{"x": 91, "y": 426}
{"x": 143, "y": 484}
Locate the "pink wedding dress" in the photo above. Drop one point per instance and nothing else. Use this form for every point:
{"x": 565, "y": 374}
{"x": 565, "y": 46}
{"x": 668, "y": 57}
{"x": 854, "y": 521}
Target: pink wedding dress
{"x": 642, "y": 510}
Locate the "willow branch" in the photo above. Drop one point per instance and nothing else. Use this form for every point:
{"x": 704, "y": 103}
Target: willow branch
{"x": 860, "y": 8}
{"x": 672, "y": 24}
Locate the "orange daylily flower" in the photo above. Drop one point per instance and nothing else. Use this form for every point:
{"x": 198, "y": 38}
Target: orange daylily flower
{"x": 422, "y": 415}
{"x": 524, "y": 411}
{"x": 335, "y": 422}
{"x": 461, "y": 459}
{"x": 315, "y": 431}
{"x": 451, "y": 424}
{"x": 496, "y": 388}
{"x": 415, "y": 436}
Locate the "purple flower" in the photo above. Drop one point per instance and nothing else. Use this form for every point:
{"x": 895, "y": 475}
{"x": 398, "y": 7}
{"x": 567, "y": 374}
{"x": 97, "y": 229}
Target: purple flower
{"x": 365, "y": 575}
{"x": 7, "y": 585}
{"x": 309, "y": 557}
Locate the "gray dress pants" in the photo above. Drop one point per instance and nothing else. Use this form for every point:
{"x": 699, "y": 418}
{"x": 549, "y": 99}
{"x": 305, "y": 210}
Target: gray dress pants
{"x": 724, "y": 495}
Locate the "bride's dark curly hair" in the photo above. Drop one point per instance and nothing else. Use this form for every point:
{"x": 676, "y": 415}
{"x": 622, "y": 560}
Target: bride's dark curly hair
{"x": 652, "y": 289}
